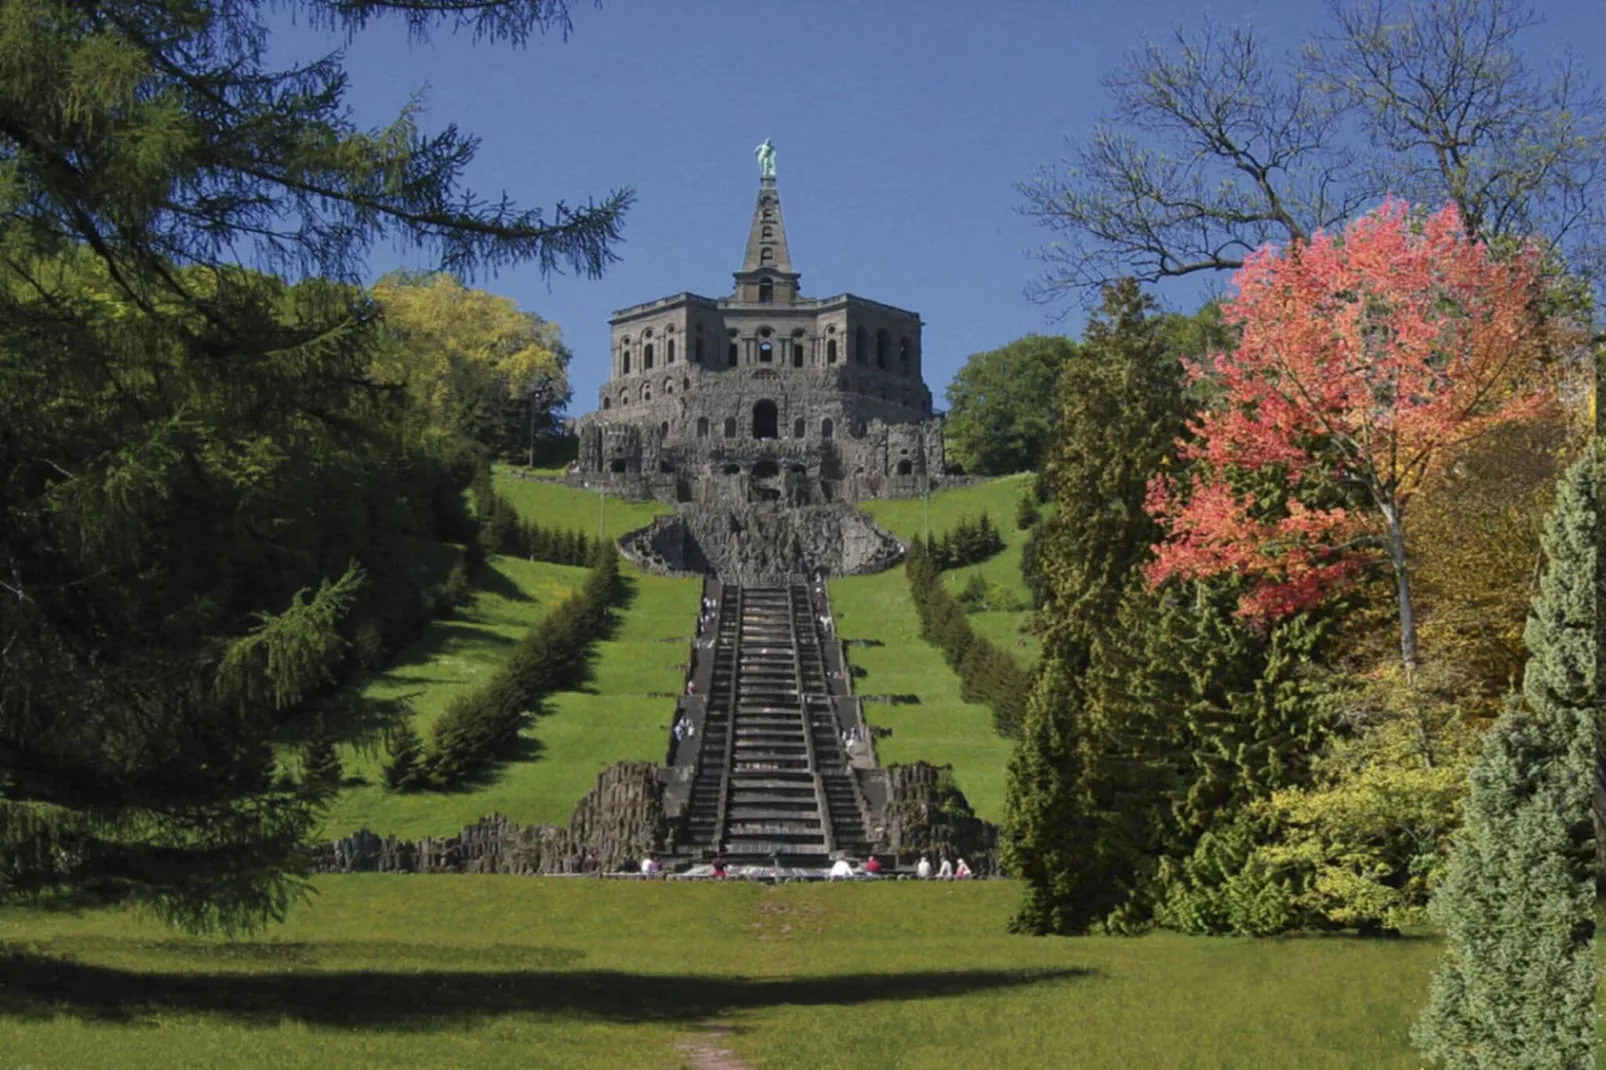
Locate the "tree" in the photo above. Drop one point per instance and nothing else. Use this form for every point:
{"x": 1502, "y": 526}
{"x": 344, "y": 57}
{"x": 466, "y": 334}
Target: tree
{"x": 1001, "y": 405}
{"x": 1516, "y": 987}
{"x": 1122, "y": 406}
{"x": 1366, "y": 363}
{"x": 193, "y": 454}
{"x": 320, "y": 763}
{"x": 471, "y": 360}
{"x": 1215, "y": 148}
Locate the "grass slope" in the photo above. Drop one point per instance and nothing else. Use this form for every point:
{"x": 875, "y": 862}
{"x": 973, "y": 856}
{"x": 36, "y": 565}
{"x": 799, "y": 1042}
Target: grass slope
{"x": 940, "y": 728}
{"x": 997, "y": 498}
{"x": 573, "y": 509}
{"x": 504, "y": 971}
{"x": 580, "y": 733}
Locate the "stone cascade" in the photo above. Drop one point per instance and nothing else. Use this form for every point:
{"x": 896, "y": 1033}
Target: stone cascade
{"x": 772, "y": 777}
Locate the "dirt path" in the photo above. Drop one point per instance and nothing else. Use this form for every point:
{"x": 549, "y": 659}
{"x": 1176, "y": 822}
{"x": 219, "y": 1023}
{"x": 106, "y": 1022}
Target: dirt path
{"x": 704, "y": 1053}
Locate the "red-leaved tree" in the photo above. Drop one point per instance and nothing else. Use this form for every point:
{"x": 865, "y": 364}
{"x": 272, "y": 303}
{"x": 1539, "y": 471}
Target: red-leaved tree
{"x": 1365, "y": 361}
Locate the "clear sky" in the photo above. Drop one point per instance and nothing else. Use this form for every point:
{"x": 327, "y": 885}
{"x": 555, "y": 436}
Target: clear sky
{"x": 901, "y": 129}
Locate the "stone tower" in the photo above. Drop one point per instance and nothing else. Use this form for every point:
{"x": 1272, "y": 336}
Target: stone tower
{"x": 765, "y": 395}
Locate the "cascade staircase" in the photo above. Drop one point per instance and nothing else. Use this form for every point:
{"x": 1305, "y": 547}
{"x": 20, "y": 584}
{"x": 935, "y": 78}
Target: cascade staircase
{"x": 772, "y": 780}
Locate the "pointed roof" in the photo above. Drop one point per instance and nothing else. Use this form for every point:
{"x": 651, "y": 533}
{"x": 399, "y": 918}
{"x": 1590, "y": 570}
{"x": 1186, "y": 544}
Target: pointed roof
{"x": 766, "y": 239}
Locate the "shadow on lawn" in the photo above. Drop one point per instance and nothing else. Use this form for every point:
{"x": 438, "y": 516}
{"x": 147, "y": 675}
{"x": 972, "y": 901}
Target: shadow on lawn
{"x": 35, "y": 985}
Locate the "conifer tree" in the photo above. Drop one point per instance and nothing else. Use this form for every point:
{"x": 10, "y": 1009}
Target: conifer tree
{"x": 1122, "y": 407}
{"x": 1516, "y": 988}
{"x": 193, "y": 454}
{"x": 320, "y": 764}
{"x": 405, "y": 770}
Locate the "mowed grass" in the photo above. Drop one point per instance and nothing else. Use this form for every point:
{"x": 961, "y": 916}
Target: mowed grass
{"x": 939, "y": 728}
{"x": 577, "y": 735}
{"x": 468, "y": 971}
{"x": 573, "y": 509}
{"x": 997, "y": 498}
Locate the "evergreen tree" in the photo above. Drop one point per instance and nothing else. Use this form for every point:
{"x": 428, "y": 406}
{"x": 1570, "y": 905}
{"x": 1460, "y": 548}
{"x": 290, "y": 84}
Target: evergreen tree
{"x": 320, "y": 764}
{"x": 1516, "y": 987}
{"x": 1027, "y": 511}
{"x": 1122, "y": 406}
{"x": 202, "y": 491}
{"x": 405, "y": 771}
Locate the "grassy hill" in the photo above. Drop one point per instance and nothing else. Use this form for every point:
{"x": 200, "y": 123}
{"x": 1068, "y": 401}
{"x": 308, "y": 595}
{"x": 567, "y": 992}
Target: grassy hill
{"x": 939, "y": 727}
{"x": 581, "y": 733}
{"x": 384, "y": 971}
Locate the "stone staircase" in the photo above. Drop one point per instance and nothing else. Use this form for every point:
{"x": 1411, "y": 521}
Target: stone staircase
{"x": 772, "y": 780}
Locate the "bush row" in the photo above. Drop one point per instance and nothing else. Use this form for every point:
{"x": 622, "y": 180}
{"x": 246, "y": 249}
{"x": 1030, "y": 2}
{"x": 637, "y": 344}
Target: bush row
{"x": 986, "y": 673}
{"x": 481, "y": 726}
{"x": 970, "y": 542}
{"x": 503, "y": 531}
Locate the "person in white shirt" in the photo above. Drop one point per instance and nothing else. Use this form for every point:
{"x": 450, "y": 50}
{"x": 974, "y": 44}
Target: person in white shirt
{"x": 945, "y": 872}
{"x": 840, "y": 868}
{"x": 923, "y": 870}
{"x": 647, "y": 865}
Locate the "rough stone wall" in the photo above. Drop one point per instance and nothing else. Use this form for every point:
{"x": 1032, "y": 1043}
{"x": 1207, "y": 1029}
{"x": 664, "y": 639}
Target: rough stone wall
{"x": 914, "y": 822}
{"x": 762, "y": 545}
{"x": 618, "y": 821}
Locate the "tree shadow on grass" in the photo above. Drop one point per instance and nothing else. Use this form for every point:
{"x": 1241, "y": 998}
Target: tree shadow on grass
{"x": 41, "y": 986}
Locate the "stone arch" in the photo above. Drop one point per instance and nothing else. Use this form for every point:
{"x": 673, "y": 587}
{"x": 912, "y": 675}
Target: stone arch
{"x": 624, "y": 398}
{"x": 800, "y": 427}
{"x": 827, "y": 427}
{"x": 646, "y": 392}
{"x": 669, "y": 387}
{"x": 766, "y": 469}
{"x": 624, "y": 361}
{"x": 881, "y": 349}
{"x": 669, "y": 351}
{"x": 730, "y": 427}
{"x": 663, "y": 429}
{"x": 702, "y": 427}
{"x": 607, "y": 403}
{"x": 646, "y": 357}
{"x": 830, "y": 351}
{"x": 905, "y": 467}
{"x": 766, "y": 419}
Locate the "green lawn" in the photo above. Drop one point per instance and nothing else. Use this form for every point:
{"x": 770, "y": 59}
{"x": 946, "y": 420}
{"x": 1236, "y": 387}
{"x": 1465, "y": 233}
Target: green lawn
{"x": 570, "y": 508}
{"x": 580, "y": 734}
{"x": 463, "y": 972}
{"x": 997, "y": 498}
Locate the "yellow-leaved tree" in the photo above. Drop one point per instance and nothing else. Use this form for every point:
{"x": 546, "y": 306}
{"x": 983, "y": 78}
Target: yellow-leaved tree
{"x": 473, "y": 362}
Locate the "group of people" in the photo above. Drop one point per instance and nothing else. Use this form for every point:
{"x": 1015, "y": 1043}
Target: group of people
{"x": 685, "y": 728}
{"x": 842, "y": 869}
{"x": 947, "y": 871}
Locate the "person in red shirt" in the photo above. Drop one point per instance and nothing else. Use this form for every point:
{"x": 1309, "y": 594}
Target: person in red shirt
{"x": 872, "y": 867}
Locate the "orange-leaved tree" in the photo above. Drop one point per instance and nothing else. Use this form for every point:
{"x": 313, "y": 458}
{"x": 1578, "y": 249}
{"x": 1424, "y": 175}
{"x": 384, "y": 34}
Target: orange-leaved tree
{"x": 1366, "y": 361}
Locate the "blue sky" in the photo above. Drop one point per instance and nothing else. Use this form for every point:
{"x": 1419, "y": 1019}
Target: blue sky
{"x": 901, "y": 129}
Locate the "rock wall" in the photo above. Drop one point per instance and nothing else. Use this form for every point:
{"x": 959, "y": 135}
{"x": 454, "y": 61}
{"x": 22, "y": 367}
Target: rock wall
{"x": 759, "y": 545}
{"x": 618, "y": 821}
{"x": 924, "y": 813}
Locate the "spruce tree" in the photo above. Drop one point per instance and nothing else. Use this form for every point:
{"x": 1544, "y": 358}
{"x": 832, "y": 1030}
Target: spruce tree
{"x": 406, "y": 771}
{"x": 320, "y": 765}
{"x": 1122, "y": 406}
{"x": 1516, "y": 987}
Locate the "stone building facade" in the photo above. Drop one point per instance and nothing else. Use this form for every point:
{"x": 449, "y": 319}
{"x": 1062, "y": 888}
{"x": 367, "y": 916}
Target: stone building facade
{"x": 765, "y": 395}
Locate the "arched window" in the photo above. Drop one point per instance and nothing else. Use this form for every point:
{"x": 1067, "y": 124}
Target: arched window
{"x": 702, "y": 427}
{"x": 669, "y": 352}
{"x": 646, "y": 393}
{"x": 830, "y": 351}
{"x": 826, "y": 427}
{"x": 861, "y": 346}
{"x": 904, "y": 467}
{"x": 646, "y": 357}
{"x": 607, "y": 403}
{"x": 765, "y": 352}
{"x": 669, "y": 387}
{"x": 730, "y": 427}
{"x": 765, "y": 420}
{"x": 880, "y": 349}
{"x": 903, "y": 355}
{"x": 799, "y": 428}
{"x": 733, "y": 354}
{"x": 624, "y": 399}
{"x": 685, "y": 385}
{"x": 624, "y": 362}
{"x": 766, "y": 290}
{"x": 663, "y": 429}
{"x": 697, "y": 352}
{"x": 797, "y": 354}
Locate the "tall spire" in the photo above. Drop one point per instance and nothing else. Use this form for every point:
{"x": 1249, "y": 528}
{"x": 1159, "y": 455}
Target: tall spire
{"x": 766, "y": 276}
{"x": 766, "y": 239}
